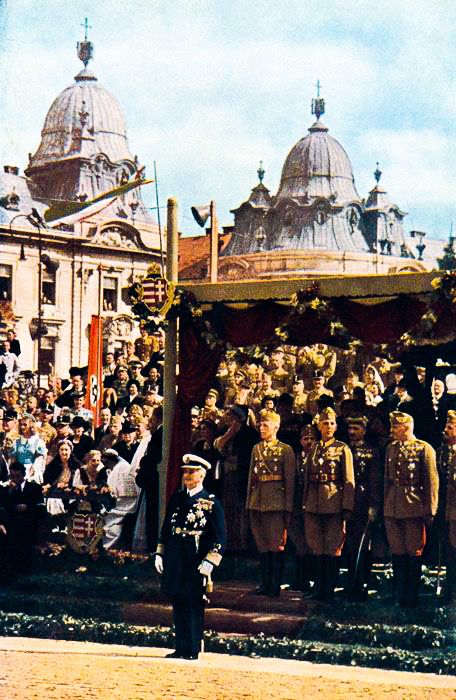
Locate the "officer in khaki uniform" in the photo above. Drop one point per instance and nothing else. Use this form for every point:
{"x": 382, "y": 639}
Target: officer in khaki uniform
{"x": 328, "y": 501}
{"x": 410, "y": 501}
{"x": 447, "y": 469}
{"x": 270, "y": 493}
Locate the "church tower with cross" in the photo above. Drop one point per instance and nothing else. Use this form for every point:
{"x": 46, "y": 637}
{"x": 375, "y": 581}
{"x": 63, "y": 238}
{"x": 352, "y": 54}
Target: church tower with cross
{"x": 317, "y": 221}
{"x": 84, "y": 264}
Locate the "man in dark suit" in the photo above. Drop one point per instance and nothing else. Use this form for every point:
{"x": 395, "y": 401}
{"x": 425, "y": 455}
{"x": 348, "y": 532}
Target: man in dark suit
{"x": 147, "y": 478}
{"x": 21, "y": 503}
{"x": 104, "y": 427}
{"x": 191, "y": 543}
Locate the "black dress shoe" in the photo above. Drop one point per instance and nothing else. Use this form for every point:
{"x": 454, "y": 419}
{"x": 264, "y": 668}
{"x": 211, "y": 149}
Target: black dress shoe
{"x": 175, "y": 655}
{"x": 190, "y": 657}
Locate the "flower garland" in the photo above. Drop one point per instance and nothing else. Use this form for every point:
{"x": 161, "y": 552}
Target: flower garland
{"x": 443, "y": 294}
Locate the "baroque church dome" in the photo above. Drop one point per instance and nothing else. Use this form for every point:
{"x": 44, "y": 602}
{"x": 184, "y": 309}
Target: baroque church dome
{"x": 83, "y": 109}
{"x": 318, "y": 166}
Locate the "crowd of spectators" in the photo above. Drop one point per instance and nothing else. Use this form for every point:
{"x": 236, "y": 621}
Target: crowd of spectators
{"x": 51, "y": 435}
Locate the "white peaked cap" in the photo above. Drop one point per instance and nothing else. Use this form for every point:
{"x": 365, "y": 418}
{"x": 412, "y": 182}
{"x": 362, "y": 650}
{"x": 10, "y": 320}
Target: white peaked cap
{"x": 194, "y": 462}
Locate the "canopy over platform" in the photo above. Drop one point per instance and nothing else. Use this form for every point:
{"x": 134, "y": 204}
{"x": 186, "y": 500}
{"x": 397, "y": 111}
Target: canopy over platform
{"x": 363, "y": 287}
{"x": 405, "y": 311}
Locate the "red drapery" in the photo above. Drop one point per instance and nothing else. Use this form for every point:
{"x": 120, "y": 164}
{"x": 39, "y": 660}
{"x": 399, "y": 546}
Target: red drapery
{"x": 379, "y": 323}
{"x": 372, "y": 323}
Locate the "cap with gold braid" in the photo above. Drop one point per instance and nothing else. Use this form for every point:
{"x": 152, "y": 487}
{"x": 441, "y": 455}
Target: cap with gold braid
{"x": 195, "y": 462}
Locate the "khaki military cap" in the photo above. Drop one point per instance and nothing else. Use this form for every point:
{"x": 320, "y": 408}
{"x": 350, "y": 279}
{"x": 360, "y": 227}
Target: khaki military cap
{"x": 271, "y": 416}
{"x": 399, "y": 418}
{"x": 327, "y": 414}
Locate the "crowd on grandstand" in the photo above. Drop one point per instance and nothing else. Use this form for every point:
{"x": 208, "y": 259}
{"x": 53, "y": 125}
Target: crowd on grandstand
{"x": 49, "y": 438}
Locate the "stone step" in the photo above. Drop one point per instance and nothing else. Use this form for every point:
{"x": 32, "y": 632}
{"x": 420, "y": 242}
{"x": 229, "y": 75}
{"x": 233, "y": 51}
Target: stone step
{"x": 218, "y": 619}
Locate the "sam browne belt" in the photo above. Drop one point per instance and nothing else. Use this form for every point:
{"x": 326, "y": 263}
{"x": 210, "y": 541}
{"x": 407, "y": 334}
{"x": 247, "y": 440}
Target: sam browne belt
{"x": 270, "y": 477}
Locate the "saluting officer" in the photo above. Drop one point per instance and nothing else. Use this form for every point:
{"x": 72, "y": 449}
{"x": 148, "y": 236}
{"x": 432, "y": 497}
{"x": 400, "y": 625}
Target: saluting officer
{"x": 328, "y": 502}
{"x": 368, "y": 497}
{"x": 191, "y": 543}
{"x": 410, "y": 502}
{"x": 447, "y": 469}
{"x": 270, "y": 494}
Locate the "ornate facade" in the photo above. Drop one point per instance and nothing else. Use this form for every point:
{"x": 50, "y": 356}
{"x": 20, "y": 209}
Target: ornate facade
{"x": 317, "y": 222}
{"x": 85, "y": 265}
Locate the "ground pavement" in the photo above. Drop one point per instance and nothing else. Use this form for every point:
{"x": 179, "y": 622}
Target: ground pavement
{"x": 32, "y": 669}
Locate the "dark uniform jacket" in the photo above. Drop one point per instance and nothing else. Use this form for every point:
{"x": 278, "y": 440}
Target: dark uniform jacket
{"x": 330, "y": 486}
{"x": 20, "y": 523}
{"x": 271, "y": 478}
{"x": 193, "y": 529}
{"x": 411, "y": 480}
{"x": 368, "y": 477}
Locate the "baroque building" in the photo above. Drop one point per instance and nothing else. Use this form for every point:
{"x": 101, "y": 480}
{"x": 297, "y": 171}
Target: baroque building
{"x": 57, "y": 276}
{"x": 316, "y": 223}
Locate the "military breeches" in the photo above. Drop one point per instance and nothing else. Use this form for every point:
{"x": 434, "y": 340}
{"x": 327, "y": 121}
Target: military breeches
{"x": 325, "y": 533}
{"x": 406, "y": 536}
{"x": 268, "y": 530}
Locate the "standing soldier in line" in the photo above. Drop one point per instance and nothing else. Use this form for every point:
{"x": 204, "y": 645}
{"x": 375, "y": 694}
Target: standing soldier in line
{"x": 270, "y": 494}
{"x": 447, "y": 473}
{"x": 304, "y": 558}
{"x": 368, "y": 497}
{"x": 328, "y": 502}
{"x": 191, "y": 543}
{"x": 410, "y": 503}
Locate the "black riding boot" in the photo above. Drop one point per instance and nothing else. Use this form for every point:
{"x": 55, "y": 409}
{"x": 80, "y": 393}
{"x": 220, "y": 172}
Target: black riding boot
{"x": 277, "y": 573}
{"x": 265, "y": 565}
{"x": 306, "y": 572}
{"x": 332, "y": 571}
{"x": 449, "y": 587}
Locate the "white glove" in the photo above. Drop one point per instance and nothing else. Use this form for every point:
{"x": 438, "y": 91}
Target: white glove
{"x": 205, "y": 568}
{"x": 158, "y": 564}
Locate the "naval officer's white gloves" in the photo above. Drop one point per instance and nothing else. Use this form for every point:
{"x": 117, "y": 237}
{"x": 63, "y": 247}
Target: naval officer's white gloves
{"x": 205, "y": 568}
{"x": 158, "y": 564}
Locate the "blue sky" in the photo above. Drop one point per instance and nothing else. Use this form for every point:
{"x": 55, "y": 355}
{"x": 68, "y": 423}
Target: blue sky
{"x": 210, "y": 88}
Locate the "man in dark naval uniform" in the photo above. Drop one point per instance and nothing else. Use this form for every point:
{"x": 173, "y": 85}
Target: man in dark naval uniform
{"x": 191, "y": 543}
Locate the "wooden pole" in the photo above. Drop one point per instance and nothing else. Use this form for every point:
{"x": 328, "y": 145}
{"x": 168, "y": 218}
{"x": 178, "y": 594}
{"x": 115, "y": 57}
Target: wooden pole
{"x": 214, "y": 244}
{"x": 170, "y": 353}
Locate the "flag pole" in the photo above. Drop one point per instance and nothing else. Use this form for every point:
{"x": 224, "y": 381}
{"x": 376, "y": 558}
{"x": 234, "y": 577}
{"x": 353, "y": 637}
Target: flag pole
{"x": 170, "y": 353}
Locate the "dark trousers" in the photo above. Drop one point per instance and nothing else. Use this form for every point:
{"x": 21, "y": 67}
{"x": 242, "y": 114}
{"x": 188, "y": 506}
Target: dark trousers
{"x": 188, "y": 618}
{"x": 151, "y": 495}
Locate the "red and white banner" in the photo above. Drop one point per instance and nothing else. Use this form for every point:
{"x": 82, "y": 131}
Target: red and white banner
{"x": 94, "y": 395}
